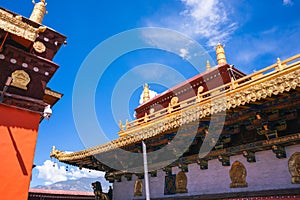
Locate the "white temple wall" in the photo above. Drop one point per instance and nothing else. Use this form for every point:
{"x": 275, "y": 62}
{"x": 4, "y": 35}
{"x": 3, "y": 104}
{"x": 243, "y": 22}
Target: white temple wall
{"x": 267, "y": 173}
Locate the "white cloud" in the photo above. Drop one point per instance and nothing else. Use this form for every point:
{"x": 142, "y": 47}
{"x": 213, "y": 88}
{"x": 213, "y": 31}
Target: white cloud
{"x": 167, "y": 40}
{"x": 265, "y": 46}
{"x": 152, "y": 94}
{"x": 158, "y": 73}
{"x": 152, "y": 71}
{"x": 207, "y": 19}
{"x": 201, "y": 19}
{"x": 75, "y": 173}
{"x": 184, "y": 53}
{"x": 287, "y": 2}
{"x": 50, "y": 172}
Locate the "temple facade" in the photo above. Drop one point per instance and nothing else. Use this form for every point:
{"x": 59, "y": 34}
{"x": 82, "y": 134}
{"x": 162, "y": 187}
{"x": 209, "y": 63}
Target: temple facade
{"x": 242, "y": 136}
{"x": 26, "y": 52}
{"x": 268, "y": 177}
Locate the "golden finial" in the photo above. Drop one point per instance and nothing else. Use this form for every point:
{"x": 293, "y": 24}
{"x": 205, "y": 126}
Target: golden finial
{"x": 146, "y": 93}
{"x": 207, "y": 65}
{"x": 279, "y": 65}
{"x": 121, "y": 126}
{"x": 38, "y": 12}
{"x": 146, "y": 118}
{"x": 126, "y": 124}
{"x": 199, "y": 93}
{"x": 221, "y": 58}
{"x": 53, "y": 150}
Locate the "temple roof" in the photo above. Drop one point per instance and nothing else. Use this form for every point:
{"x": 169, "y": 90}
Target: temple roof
{"x": 180, "y": 87}
{"x": 276, "y": 80}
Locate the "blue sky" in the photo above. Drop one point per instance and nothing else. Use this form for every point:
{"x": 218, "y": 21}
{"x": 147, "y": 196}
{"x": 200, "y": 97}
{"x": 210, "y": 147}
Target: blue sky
{"x": 254, "y": 32}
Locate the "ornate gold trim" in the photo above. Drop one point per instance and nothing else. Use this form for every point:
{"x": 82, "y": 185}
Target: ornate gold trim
{"x": 39, "y": 47}
{"x": 15, "y": 25}
{"x": 251, "y": 91}
{"x": 20, "y": 79}
{"x": 52, "y": 93}
{"x": 172, "y": 104}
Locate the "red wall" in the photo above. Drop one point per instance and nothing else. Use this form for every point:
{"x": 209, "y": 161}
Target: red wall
{"x": 18, "y": 135}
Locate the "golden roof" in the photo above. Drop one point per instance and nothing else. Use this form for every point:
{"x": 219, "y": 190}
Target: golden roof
{"x": 273, "y": 80}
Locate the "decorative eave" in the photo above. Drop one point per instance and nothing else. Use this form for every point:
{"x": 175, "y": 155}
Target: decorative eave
{"x": 31, "y": 31}
{"x": 46, "y": 68}
{"x": 52, "y": 93}
{"x": 273, "y": 80}
{"x": 14, "y": 24}
{"x": 254, "y": 147}
{"x": 51, "y": 97}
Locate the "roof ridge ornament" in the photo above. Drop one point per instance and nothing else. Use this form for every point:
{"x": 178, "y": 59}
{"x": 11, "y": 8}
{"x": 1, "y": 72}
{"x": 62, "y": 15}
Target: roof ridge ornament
{"x": 220, "y": 52}
{"x": 146, "y": 93}
{"x": 207, "y": 65}
{"x": 38, "y": 11}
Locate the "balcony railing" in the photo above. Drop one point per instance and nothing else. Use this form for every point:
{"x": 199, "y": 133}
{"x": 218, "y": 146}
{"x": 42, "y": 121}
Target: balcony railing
{"x": 276, "y": 70}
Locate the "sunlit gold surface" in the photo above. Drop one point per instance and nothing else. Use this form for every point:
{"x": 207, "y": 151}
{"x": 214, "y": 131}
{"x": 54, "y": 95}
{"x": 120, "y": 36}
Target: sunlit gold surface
{"x": 270, "y": 82}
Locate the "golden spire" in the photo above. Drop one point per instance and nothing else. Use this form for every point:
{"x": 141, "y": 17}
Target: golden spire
{"x": 279, "y": 65}
{"x": 207, "y": 65}
{"x": 221, "y": 58}
{"x": 38, "y": 12}
{"x": 146, "y": 93}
